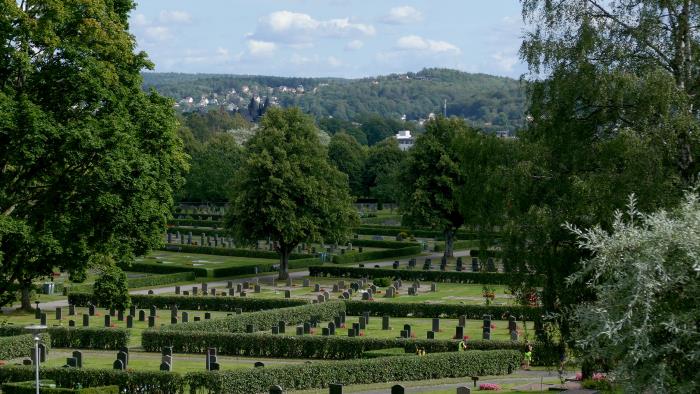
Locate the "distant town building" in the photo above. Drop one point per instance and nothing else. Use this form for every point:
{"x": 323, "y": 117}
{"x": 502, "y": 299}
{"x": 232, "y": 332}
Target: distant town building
{"x": 405, "y": 139}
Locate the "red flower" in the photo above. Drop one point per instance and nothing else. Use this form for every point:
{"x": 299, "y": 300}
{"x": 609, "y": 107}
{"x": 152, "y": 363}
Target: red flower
{"x": 466, "y": 337}
{"x": 362, "y": 333}
{"x": 493, "y": 326}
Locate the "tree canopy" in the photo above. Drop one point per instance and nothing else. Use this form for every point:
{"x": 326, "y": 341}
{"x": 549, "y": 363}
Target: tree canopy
{"x": 88, "y": 161}
{"x": 286, "y": 188}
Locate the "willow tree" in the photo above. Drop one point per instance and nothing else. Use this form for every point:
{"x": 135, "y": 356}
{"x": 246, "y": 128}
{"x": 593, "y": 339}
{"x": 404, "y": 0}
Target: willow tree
{"x": 287, "y": 190}
{"x": 88, "y": 161}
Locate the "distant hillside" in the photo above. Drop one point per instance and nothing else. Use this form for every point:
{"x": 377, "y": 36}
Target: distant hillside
{"x": 488, "y": 101}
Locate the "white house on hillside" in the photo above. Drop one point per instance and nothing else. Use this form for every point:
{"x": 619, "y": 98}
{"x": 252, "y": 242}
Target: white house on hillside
{"x": 405, "y": 139}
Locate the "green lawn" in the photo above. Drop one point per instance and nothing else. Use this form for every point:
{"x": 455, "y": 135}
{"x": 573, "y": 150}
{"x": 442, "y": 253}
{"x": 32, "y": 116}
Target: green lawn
{"x": 208, "y": 261}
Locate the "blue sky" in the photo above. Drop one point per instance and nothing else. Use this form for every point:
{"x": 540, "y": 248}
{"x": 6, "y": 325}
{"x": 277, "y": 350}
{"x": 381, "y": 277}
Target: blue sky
{"x": 340, "y": 38}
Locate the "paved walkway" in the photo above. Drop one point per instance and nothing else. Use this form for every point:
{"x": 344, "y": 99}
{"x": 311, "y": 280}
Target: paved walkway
{"x": 265, "y": 277}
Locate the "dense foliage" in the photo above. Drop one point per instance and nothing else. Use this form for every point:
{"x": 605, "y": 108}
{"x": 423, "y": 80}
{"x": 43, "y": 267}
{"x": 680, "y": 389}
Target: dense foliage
{"x": 110, "y": 288}
{"x": 18, "y": 346}
{"x": 89, "y": 161}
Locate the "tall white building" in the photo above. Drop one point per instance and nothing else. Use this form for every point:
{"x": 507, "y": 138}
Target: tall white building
{"x": 405, "y": 139}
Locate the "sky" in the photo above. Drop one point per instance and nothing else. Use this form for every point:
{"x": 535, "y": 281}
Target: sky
{"x": 329, "y": 38}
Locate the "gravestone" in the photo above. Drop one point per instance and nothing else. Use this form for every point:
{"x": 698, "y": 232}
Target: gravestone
{"x": 335, "y": 388}
{"x": 91, "y": 310}
{"x": 390, "y": 292}
{"x": 431, "y": 334}
{"x": 331, "y": 328}
{"x": 436, "y": 324}
{"x": 475, "y": 264}
{"x": 118, "y": 365}
{"x": 356, "y": 328}
{"x": 239, "y": 311}
{"x": 142, "y": 315}
{"x": 514, "y": 336}
{"x": 246, "y": 285}
{"x": 258, "y": 364}
{"x": 407, "y": 328}
{"x": 86, "y": 320}
{"x": 403, "y": 334}
{"x": 281, "y": 325}
{"x": 463, "y": 390}
{"x": 243, "y": 294}
{"x": 249, "y": 328}
{"x": 207, "y": 315}
{"x": 317, "y": 287}
{"x": 385, "y": 323}
{"x": 487, "y": 327}
{"x": 300, "y": 330}
{"x": 108, "y": 321}
{"x": 153, "y": 310}
{"x": 512, "y": 323}
{"x": 78, "y": 356}
{"x": 129, "y": 321}
{"x": 71, "y": 310}
{"x": 205, "y": 288}
{"x": 351, "y": 332}
{"x": 463, "y": 320}
{"x": 433, "y": 287}
{"x": 337, "y": 321}
{"x": 459, "y": 264}
{"x": 287, "y": 294}
{"x": 177, "y": 290}
{"x": 212, "y": 292}
{"x": 275, "y": 330}
{"x": 120, "y": 315}
{"x": 411, "y": 291}
{"x": 335, "y": 288}
{"x": 71, "y": 323}
{"x": 124, "y": 358}
{"x": 59, "y": 314}
{"x": 132, "y": 310}
{"x": 307, "y": 328}
{"x": 362, "y": 323}
{"x": 346, "y": 295}
{"x": 197, "y": 318}
{"x": 326, "y": 295}
{"x": 150, "y": 292}
{"x": 195, "y": 289}
{"x": 306, "y": 282}
{"x": 276, "y": 389}
{"x": 165, "y": 366}
{"x": 459, "y": 332}
{"x": 398, "y": 389}
{"x": 185, "y": 317}
{"x": 173, "y": 319}
{"x": 151, "y": 321}
{"x": 365, "y": 296}
{"x": 490, "y": 265}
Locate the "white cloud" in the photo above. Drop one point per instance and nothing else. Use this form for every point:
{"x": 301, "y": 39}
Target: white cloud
{"x": 296, "y": 28}
{"x": 261, "y": 48}
{"x": 417, "y": 43}
{"x": 158, "y": 33}
{"x": 140, "y": 20}
{"x": 174, "y": 17}
{"x": 354, "y": 45}
{"x": 505, "y": 61}
{"x": 403, "y": 15}
{"x": 334, "y": 61}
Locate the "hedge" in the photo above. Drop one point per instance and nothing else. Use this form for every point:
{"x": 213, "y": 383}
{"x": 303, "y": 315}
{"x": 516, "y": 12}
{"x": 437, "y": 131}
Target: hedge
{"x": 198, "y": 216}
{"x": 157, "y": 268}
{"x": 363, "y": 371}
{"x": 236, "y": 252}
{"x": 158, "y": 280}
{"x": 432, "y": 276}
{"x": 292, "y": 377}
{"x": 29, "y": 388}
{"x": 353, "y": 257}
{"x": 263, "y": 320}
{"x": 382, "y": 244}
{"x": 214, "y": 224}
{"x": 102, "y": 338}
{"x": 393, "y": 231}
{"x": 456, "y": 245}
{"x": 336, "y": 347}
{"x": 211, "y": 303}
{"x": 474, "y": 312}
{"x": 128, "y": 381}
{"x": 19, "y": 345}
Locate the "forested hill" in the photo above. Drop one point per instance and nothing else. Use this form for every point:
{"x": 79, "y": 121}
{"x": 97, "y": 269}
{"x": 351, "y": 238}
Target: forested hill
{"x": 488, "y": 101}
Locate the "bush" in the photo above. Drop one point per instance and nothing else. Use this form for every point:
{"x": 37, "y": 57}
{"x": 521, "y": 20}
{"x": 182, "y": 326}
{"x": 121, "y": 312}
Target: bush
{"x": 353, "y": 257}
{"x": 236, "y": 252}
{"x": 308, "y": 346}
{"x": 381, "y": 282}
{"x": 157, "y": 268}
{"x": 433, "y": 276}
{"x": 128, "y": 381}
{"x": 497, "y": 312}
{"x": 158, "y": 280}
{"x": 456, "y": 245}
{"x": 363, "y": 371}
{"x": 381, "y": 244}
{"x": 228, "y": 304}
{"x": 392, "y": 231}
{"x": 263, "y": 320}
{"x": 29, "y": 388}
{"x": 110, "y": 288}
{"x": 20, "y": 345}
{"x": 89, "y": 337}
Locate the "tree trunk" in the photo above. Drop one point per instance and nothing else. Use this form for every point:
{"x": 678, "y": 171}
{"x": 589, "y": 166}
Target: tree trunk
{"x": 26, "y": 301}
{"x": 284, "y": 263}
{"x": 449, "y": 243}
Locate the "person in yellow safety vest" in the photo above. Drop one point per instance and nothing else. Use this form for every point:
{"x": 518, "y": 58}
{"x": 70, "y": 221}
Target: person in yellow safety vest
{"x": 462, "y": 345}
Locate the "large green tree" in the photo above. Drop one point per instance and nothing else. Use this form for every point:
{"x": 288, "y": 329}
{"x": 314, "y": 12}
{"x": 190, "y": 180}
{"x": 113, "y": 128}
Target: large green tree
{"x": 286, "y": 188}
{"x": 88, "y": 161}
{"x": 612, "y": 108}
{"x": 380, "y": 170}
{"x": 431, "y": 178}
{"x": 349, "y": 157}
{"x": 213, "y": 163}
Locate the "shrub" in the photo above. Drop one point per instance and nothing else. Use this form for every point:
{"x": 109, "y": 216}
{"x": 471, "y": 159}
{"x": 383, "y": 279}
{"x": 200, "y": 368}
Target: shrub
{"x": 20, "y": 345}
{"x": 228, "y": 304}
{"x": 219, "y": 251}
{"x": 110, "y": 288}
{"x": 29, "y": 388}
{"x": 433, "y": 276}
{"x": 158, "y": 280}
{"x": 156, "y": 268}
{"x": 264, "y": 319}
{"x": 363, "y": 371}
{"x": 381, "y": 282}
{"x": 89, "y": 337}
{"x": 353, "y": 257}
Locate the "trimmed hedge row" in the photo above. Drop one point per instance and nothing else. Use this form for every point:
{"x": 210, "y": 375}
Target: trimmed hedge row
{"x": 382, "y": 244}
{"x": 422, "y": 233}
{"x": 237, "y": 252}
{"x": 353, "y": 257}
{"x": 207, "y": 303}
{"x": 494, "y": 278}
{"x": 456, "y": 245}
{"x": 156, "y": 268}
{"x": 263, "y": 320}
{"x": 217, "y": 224}
{"x": 292, "y": 377}
{"x": 307, "y": 346}
{"x": 453, "y": 311}
{"x": 29, "y": 388}
{"x": 363, "y": 371}
{"x": 128, "y": 381}
{"x": 89, "y": 337}
{"x": 158, "y": 280}
{"x": 19, "y": 345}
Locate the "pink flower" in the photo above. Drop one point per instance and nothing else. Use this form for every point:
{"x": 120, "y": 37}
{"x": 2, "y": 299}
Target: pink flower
{"x": 579, "y": 376}
{"x": 489, "y": 386}
{"x": 599, "y": 376}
